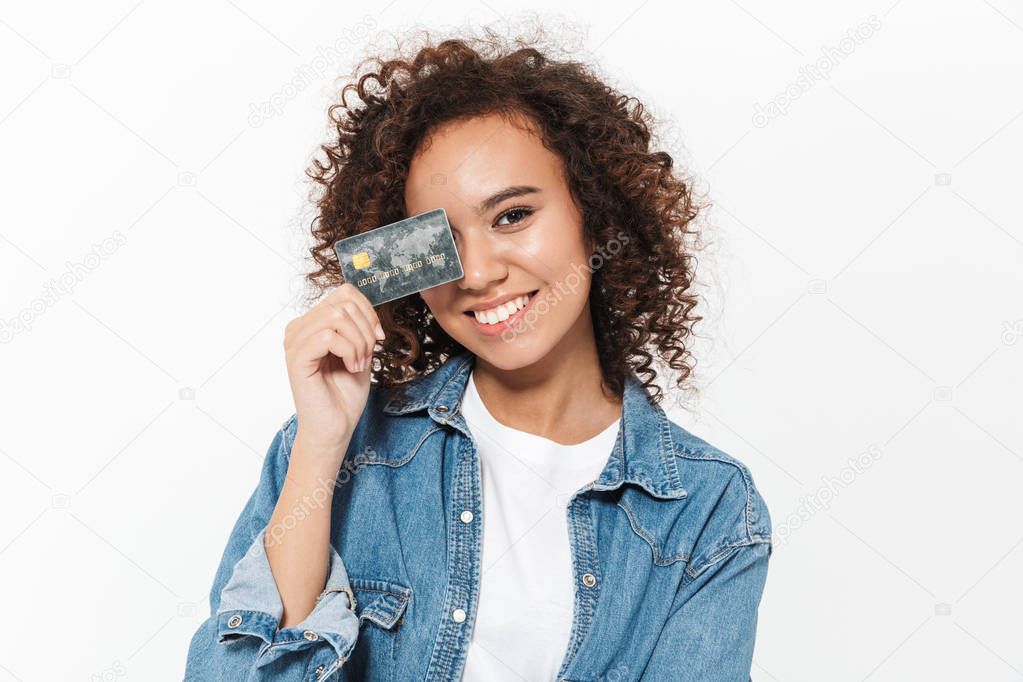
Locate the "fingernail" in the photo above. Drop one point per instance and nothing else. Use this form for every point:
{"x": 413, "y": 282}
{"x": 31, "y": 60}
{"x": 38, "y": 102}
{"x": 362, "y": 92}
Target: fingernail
{"x": 380, "y": 332}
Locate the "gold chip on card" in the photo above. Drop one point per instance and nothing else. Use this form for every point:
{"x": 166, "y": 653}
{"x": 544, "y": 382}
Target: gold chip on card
{"x": 360, "y": 260}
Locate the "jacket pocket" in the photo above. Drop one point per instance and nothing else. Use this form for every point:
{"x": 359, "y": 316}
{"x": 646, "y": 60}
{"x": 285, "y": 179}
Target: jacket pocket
{"x": 379, "y": 604}
{"x": 379, "y": 601}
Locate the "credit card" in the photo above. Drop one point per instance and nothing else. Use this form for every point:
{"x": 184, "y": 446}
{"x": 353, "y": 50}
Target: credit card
{"x": 401, "y": 258}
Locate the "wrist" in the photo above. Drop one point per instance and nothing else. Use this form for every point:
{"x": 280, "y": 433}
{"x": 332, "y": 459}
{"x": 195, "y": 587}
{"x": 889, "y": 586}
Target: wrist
{"x": 317, "y": 456}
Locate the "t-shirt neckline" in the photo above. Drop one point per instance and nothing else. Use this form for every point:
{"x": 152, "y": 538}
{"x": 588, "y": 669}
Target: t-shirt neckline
{"x": 518, "y": 433}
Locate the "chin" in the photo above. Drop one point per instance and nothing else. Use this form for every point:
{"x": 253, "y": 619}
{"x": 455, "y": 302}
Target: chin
{"x": 509, "y": 353}
{"x": 510, "y": 356}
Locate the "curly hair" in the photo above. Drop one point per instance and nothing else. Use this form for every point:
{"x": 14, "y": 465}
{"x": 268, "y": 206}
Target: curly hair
{"x": 641, "y": 300}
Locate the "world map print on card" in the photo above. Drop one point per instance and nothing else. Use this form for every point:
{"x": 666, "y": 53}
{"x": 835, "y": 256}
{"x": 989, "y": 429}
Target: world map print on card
{"x": 401, "y": 258}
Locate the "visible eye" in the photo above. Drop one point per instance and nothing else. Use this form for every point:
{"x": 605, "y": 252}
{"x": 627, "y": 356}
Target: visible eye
{"x": 524, "y": 212}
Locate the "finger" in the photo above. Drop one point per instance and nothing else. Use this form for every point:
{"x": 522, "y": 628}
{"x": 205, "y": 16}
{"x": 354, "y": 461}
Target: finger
{"x": 372, "y": 319}
{"x": 353, "y": 293}
{"x": 311, "y": 322}
{"x": 365, "y": 323}
{"x": 344, "y": 348}
{"x": 333, "y": 315}
{"x": 345, "y": 316}
{"x": 308, "y": 352}
{"x": 329, "y": 341}
{"x": 358, "y": 318}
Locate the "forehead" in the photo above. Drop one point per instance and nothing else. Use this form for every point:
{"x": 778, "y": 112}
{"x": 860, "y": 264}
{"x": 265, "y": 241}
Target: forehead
{"x": 470, "y": 159}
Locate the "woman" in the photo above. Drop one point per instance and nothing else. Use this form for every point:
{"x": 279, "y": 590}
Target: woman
{"x": 478, "y": 482}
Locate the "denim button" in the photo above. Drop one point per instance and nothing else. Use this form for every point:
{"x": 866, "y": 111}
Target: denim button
{"x": 458, "y": 615}
{"x": 310, "y": 635}
{"x": 466, "y": 516}
{"x": 234, "y": 621}
{"x": 589, "y": 580}
{"x": 442, "y": 408}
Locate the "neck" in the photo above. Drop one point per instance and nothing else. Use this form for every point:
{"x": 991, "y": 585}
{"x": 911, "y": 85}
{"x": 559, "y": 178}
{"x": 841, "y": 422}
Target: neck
{"x": 560, "y": 396}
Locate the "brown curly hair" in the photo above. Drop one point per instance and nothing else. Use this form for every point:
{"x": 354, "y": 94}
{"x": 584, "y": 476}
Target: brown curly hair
{"x": 641, "y": 299}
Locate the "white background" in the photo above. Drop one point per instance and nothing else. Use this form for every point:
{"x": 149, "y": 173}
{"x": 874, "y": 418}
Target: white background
{"x": 864, "y": 296}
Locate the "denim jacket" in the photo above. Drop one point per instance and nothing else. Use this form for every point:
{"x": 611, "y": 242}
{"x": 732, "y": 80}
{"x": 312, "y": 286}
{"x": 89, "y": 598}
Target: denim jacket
{"x": 669, "y": 544}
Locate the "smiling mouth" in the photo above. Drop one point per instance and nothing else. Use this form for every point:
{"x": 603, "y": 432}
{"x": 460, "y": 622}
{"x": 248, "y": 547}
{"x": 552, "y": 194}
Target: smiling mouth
{"x": 502, "y": 312}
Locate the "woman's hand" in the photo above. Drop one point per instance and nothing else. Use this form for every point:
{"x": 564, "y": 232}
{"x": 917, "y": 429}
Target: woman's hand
{"x": 329, "y": 351}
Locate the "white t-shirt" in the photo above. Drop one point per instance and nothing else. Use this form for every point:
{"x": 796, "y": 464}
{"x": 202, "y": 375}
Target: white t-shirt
{"x": 527, "y": 591}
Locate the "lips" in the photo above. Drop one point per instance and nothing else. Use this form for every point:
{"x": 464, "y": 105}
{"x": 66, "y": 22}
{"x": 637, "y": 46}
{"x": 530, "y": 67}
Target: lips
{"x": 507, "y": 307}
{"x": 495, "y": 316}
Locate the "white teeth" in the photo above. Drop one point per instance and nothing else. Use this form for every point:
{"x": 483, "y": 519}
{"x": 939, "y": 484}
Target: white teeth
{"x": 503, "y": 311}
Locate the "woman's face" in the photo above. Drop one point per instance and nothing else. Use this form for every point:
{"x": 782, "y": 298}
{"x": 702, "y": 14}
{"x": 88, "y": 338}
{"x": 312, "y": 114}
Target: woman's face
{"x": 518, "y": 233}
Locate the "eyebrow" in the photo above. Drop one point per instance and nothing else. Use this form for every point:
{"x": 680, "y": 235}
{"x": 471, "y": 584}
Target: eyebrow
{"x": 506, "y": 193}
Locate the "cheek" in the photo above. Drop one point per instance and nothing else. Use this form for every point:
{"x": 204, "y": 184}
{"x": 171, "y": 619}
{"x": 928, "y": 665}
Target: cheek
{"x": 558, "y": 260}
{"x": 437, "y": 298}
{"x": 558, "y": 240}
{"x": 550, "y": 255}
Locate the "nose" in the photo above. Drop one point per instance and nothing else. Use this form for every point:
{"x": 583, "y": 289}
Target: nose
{"x": 482, "y": 263}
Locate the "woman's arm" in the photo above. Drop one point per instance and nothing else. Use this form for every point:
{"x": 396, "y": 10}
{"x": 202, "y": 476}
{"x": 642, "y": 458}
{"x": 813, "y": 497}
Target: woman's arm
{"x": 297, "y": 539}
{"x": 328, "y": 352}
{"x": 241, "y": 639}
{"x": 710, "y": 633}
{"x": 281, "y": 586}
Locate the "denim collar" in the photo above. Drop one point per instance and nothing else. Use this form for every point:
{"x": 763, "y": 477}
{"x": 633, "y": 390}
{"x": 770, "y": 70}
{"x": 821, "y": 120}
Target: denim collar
{"x": 643, "y": 454}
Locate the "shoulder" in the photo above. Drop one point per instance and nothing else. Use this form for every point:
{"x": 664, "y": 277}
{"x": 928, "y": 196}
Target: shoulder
{"x": 720, "y": 486}
{"x": 278, "y": 454}
{"x": 289, "y": 429}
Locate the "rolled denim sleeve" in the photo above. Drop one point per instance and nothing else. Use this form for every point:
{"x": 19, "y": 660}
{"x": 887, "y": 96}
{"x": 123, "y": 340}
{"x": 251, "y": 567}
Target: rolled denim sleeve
{"x": 240, "y": 640}
{"x": 710, "y": 633}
